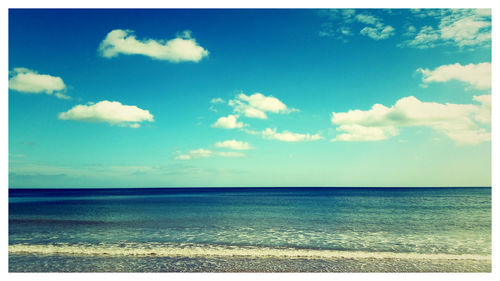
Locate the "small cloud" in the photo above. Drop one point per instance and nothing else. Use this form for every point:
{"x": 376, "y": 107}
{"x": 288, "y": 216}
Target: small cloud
{"x": 233, "y": 144}
{"x": 182, "y": 48}
{"x": 212, "y": 108}
{"x": 205, "y": 153}
{"x": 376, "y": 29}
{"x": 338, "y": 22}
{"x": 62, "y": 96}
{"x": 378, "y": 32}
{"x": 183, "y": 157}
{"x": 256, "y": 105}
{"x": 476, "y": 75}
{"x": 217, "y": 100}
{"x": 368, "y": 19}
{"x": 355, "y": 132}
{"x": 427, "y": 37}
{"x": 134, "y": 125}
{"x": 229, "y": 154}
{"x": 29, "y": 81}
{"x": 288, "y": 136}
{"x": 229, "y": 122}
{"x": 111, "y": 112}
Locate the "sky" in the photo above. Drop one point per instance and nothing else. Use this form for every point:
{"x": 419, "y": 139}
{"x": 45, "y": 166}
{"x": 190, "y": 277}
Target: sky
{"x": 233, "y": 98}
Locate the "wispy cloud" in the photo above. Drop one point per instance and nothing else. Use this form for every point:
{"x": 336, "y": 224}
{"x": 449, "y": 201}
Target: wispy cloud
{"x": 217, "y": 100}
{"x": 476, "y": 75}
{"x": 205, "y": 153}
{"x": 341, "y": 22}
{"x": 459, "y": 27}
{"x": 233, "y": 144}
{"x": 182, "y": 48}
{"x": 285, "y": 135}
{"x": 463, "y": 123}
{"x": 111, "y": 112}
{"x": 378, "y": 32}
{"x": 29, "y": 81}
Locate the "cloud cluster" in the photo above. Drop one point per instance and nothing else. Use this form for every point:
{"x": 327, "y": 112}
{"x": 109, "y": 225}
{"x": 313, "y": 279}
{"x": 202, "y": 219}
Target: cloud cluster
{"x": 463, "y": 123}
{"x": 459, "y": 27}
{"x": 257, "y": 106}
{"x": 182, "y": 48}
{"x": 341, "y": 23}
{"x": 253, "y": 106}
{"x": 111, "y": 112}
{"x": 476, "y": 75}
{"x": 29, "y": 81}
{"x": 376, "y": 30}
{"x": 233, "y": 144}
{"x": 205, "y": 153}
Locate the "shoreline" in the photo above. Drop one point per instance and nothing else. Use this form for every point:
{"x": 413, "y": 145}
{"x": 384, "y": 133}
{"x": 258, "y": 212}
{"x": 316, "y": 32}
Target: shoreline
{"x": 68, "y": 263}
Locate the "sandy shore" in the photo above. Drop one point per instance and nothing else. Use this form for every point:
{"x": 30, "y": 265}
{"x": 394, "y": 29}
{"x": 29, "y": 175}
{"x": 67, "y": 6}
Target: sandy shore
{"x": 62, "y": 263}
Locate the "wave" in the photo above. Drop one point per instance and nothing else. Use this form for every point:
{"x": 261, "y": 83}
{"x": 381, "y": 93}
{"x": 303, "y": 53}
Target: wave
{"x": 207, "y": 251}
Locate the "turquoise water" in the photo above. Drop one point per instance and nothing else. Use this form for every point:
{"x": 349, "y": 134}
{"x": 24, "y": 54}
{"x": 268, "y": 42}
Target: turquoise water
{"x": 205, "y": 229}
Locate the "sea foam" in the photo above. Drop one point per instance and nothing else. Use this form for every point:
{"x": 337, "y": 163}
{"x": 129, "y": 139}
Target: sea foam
{"x": 200, "y": 250}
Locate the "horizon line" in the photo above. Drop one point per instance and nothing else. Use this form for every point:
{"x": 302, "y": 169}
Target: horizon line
{"x": 249, "y": 187}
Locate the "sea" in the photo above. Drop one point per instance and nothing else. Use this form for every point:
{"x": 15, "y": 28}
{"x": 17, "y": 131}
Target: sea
{"x": 305, "y": 229}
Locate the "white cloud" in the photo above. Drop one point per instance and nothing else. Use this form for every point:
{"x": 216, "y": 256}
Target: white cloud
{"x": 183, "y": 157}
{"x": 376, "y": 29}
{"x": 288, "y": 136}
{"x": 411, "y": 29}
{"x": 229, "y": 122}
{"x": 229, "y": 154}
{"x": 205, "y": 153}
{"x": 111, "y": 112}
{"x": 484, "y": 115}
{"x": 368, "y": 19}
{"x": 477, "y": 75}
{"x": 355, "y": 132}
{"x": 217, "y": 100}
{"x": 426, "y": 38}
{"x": 256, "y": 105}
{"x": 198, "y": 153}
{"x": 466, "y": 31}
{"x": 460, "y": 27}
{"x": 182, "y": 48}
{"x": 463, "y": 123}
{"x": 345, "y": 30}
{"x": 378, "y": 32}
{"x": 29, "y": 81}
{"x": 233, "y": 144}
{"x": 341, "y": 21}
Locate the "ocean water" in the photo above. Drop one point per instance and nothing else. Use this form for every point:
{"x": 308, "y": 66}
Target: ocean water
{"x": 250, "y": 230}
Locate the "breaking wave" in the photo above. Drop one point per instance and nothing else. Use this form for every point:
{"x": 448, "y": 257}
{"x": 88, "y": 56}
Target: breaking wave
{"x": 207, "y": 251}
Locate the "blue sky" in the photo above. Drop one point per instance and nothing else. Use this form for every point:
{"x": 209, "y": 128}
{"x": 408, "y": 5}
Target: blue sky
{"x": 290, "y": 97}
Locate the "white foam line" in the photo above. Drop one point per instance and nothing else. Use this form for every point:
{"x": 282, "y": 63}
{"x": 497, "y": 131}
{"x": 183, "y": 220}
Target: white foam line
{"x": 168, "y": 250}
